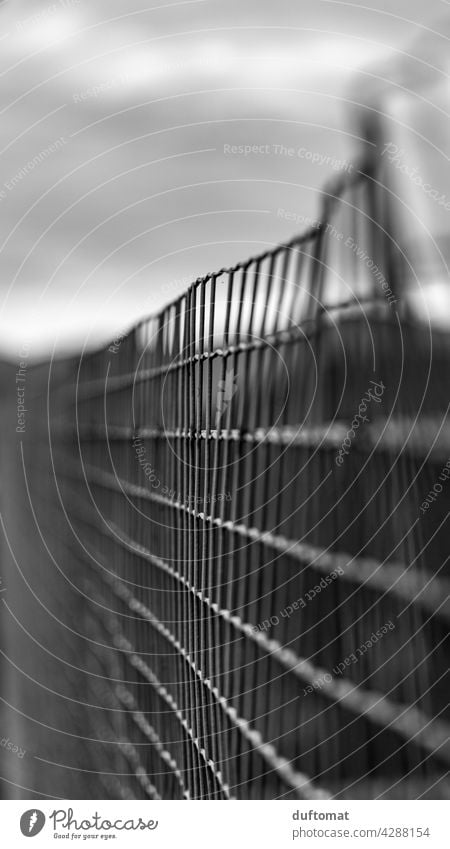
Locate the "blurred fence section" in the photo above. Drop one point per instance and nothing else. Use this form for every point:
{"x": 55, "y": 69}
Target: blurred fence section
{"x": 247, "y": 592}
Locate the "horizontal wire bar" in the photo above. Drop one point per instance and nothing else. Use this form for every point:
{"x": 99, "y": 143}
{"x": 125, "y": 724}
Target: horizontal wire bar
{"x": 114, "y": 383}
{"x": 296, "y": 780}
{"x": 429, "y": 436}
{"x": 408, "y": 722}
{"x": 383, "y": 576}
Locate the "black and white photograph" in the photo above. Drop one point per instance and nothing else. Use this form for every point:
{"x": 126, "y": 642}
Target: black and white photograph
{"x": 224, "y": 435}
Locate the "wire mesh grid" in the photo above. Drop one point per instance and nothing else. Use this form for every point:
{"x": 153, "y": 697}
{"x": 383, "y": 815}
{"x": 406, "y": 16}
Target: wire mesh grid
{"x": 252, "y": 608}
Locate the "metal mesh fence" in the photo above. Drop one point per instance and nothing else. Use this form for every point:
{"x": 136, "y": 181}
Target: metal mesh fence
{"x": 245, "y": 598}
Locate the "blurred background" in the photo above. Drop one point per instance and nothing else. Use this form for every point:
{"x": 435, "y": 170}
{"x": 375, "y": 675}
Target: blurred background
{"x": 143, "y": 145}
{"x": 118, "y": 180}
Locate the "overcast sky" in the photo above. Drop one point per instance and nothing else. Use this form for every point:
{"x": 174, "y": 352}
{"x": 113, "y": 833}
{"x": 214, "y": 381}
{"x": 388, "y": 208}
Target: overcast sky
{"x": 118, "y": 179}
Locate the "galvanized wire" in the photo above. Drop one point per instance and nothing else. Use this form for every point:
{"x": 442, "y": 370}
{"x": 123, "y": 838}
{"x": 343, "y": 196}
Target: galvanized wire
{"x": 222, "y": 565}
